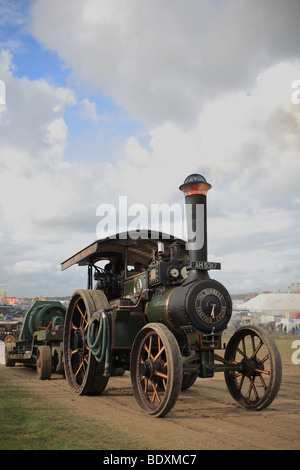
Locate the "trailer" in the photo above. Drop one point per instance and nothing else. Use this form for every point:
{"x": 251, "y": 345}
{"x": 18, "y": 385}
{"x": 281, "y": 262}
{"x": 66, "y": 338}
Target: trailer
{"x": 40, "y": 343}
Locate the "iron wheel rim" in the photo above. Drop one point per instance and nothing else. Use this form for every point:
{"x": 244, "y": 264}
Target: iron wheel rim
{"x": 258, "y": 383}
{"x": 156, "y": 370}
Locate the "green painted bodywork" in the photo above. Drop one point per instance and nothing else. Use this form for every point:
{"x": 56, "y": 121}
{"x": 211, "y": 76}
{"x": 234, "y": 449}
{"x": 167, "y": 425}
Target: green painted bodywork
{"x": 157, "y": 310}
{"x": 124, "y": 331}
{"x": 43, "y": 325}
{"x": 40, "y": 315}
{"x": 126, "y": 320}
{"x": 131, "y": 284}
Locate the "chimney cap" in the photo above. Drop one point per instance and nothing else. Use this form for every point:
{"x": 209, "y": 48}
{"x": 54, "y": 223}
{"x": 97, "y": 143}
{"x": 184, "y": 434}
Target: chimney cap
{"x": 195, "y": 178}
{"x": 195, "y": 184}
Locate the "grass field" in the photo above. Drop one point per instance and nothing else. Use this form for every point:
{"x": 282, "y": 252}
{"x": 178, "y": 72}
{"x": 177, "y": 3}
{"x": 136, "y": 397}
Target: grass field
{"x": 29, "y": 423}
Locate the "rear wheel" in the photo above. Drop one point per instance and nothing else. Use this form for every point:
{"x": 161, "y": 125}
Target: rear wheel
{"x": 83, "y": 372}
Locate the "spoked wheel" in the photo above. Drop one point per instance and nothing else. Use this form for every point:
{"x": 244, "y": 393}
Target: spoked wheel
{"x": 44, "y": 363}
{"x": 9, "y": 362}
{"x": 83, "y": 372}
{"x": 258, "y": 384}
{"x": 9, "y": 339}
{"x": 156, "y": 369}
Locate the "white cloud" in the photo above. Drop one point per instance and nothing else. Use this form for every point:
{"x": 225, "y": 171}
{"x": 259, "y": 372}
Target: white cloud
{"x": 246, "y": 145}
{"x": 89, "y": 110}
{"x": 33, "y": 138}
{"x": 43, "y": 197}
{"x": 29, "y": 267}
{"x": 162, "y": 61}
{"x": 212, "y": 83}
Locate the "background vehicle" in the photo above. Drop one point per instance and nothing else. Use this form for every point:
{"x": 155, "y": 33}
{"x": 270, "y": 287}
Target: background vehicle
{"x": 40, "y": 340}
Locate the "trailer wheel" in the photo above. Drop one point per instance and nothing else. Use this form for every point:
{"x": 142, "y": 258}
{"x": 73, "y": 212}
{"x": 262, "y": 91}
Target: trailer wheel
{"x": 9, "y": 339}
{"x": 156, "y": 369}
{"x": 9, "y": 362}
{"x": 258, "y": 384}
{"x": 83, "y": 372}
{"x": 44, "y": 362}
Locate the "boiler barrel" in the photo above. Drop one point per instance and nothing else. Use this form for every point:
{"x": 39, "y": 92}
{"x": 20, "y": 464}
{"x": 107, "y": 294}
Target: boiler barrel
{"x": 204, "y": 305}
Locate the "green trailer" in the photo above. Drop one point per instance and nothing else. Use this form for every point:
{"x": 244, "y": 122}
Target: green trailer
{"x": 40, "y": 341}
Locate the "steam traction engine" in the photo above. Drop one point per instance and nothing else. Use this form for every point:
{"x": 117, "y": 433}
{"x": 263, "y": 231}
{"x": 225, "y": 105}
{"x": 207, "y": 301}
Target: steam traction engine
{"x": 164, "y": 323}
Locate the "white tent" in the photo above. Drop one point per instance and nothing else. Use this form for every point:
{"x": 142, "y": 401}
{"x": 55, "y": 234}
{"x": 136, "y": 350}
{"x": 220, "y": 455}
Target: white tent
{"x": 278, "y": 302}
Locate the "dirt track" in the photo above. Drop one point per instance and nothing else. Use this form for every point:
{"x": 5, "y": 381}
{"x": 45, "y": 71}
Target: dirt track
{"x": 204, "y": 417}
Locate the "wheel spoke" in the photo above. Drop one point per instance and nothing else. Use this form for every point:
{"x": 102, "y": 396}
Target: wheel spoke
{"x": 150, "y": 345}
{"x": 238, "y": 374}
{"x": 83, "y": 319}
{"x": 155, "y": 394}
{"x": 257, "y": 349}
{"x": 249, "y": 390}
{"x": 160, "y": 374}
{"x": 242, "y": 353}
{"x": 81, "y": 365}
{"x": 263, "y": 382}
{"x": 148, "y": 349}
{"x": 241, "y": 382}
{"x": 254, "y": 389}
{"x": 253, "y": 344}
{"x": 251, "y": 387}
{"x": 262, "y": 371}
{"x": 158, "y": 354}
{"x": 264, "y": 359}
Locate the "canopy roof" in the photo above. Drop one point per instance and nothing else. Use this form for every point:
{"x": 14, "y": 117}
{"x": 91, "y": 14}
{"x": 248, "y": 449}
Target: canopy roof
{"x": 10, "y": 322}
{"x": 138, "y": 249}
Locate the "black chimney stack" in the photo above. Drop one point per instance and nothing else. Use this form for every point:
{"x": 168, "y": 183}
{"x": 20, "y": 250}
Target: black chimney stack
{"x": 195, "y": 188}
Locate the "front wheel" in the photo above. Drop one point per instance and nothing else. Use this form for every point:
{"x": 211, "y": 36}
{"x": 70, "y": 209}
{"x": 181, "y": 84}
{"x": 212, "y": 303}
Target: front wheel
{"x": 256, "y": 353}
{"x": 156, "y": 369}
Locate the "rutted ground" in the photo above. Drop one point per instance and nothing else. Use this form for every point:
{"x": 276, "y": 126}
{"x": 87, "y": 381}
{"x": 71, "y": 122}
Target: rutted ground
{"x": 204, "y": 417}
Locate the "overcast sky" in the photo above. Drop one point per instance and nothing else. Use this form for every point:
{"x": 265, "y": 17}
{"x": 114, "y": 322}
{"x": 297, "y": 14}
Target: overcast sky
{"x": 110, "y": 98}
